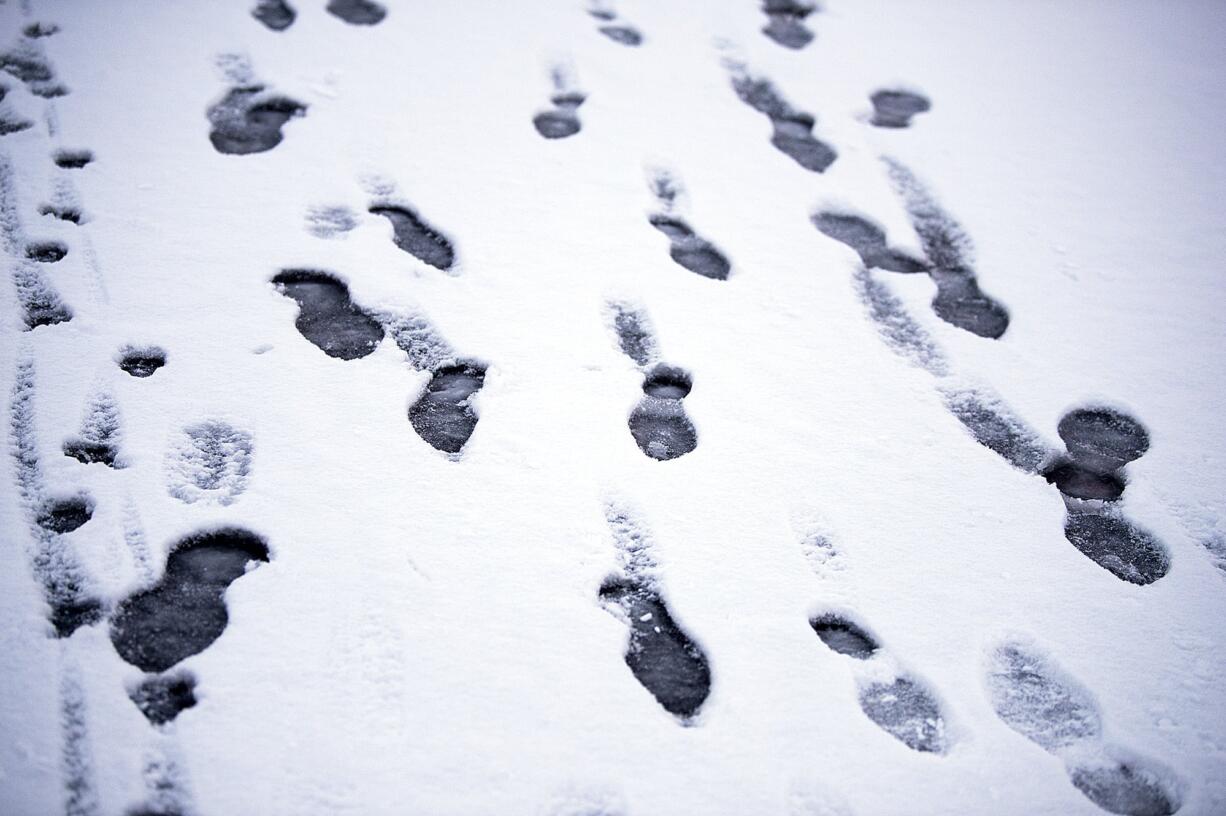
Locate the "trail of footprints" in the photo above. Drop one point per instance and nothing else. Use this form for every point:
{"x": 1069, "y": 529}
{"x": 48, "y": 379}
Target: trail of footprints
{"x": 182, "y": 611}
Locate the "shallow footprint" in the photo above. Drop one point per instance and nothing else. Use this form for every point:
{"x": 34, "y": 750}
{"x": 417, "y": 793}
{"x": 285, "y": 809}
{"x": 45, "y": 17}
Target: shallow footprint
{"x": 210, "y": 462}
{"x": 357, "y": 12}
{"x": 786, "y": 25}
{"x": 661, "y": 655}
{"x": 1125, "y": 789}
{"x": 443, "y": 415}
{"x": 894, "y": 109}
{"x": 1102, "y": 439}
{"x": 906, "y": 710}
{"x": 696, "y": 254}
{"x": 98, "y": 440}
{"x": 659, "y": 423}
{"x": 326, "y": 315}
{"x": 278, "y": 15}
{"x": 162, "y": 697}
{"x": 141, "y": 361}
{"x": 185, "y": 612}
{"x": 46, "y": 251}
{"x": 1118, "y": 546}
{"x": 844, "y": 637}
{"x": 563, "y": 120}
{"x": 868, "y": 240}
{"x": 412, "y": 234}
{"x": 247, "y": 120}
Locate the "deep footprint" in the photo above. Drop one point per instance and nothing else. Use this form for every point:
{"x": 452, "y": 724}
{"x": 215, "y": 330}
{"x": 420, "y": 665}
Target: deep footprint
{"x": 65, "y": 515}
{"x": 416, "y": 237}
{"x": 563, "y": 121}
{"x": 786, "y": 26}
{"x": 141, "y": 361}
{"x": 844, "y": 637}
{"x": 46, "y": 251}
{"x": 868, "y": 240}
{"x": 99, "y": 437}
{"x": 661, "y": 655}
{"x": 659, "y": 423}
{"x": 162, "y": 697}
{"x": 246, "y": 120}
{"x": 905, "y": 710}
{"x": 1079, "y": 482}
{"x": 624, "y": 34}
{"x": 894, "y": 109}
{"x": 73, "y": 159}
{"x": 696, "y": 254}
{"x": 185, "y": 612}
{"x": 357, "y": 12}
{"x": 40, "y": 304}
{"x": 443, "y": 415}
{"x": 276, "y": 14}
{"x": 1118, "y": 546}
{"x": 793, "y": 130}
{"x": 326, "y": 315}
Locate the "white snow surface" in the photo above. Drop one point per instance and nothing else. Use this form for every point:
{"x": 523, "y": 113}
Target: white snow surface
{"x": 427, "y": 637}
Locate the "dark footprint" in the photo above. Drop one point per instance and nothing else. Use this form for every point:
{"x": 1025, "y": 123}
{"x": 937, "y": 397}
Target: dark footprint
{"x": 659, "y": 423}
{"x": 99, "y": 437}
{"x": 162, "y": 697}
{"x": 73, "y": 159}
{"x": 894, "y": 109}
{"x": 65, "y": 515}
{"x": 696, "y": 254}
{"x": 563, "y": 120}
{"x": 141, "y": 361}
{"x": 416, "y": 237}
{"x": 906, "y": 711}
{"x": 9, "y": 123}
{"x": 996, "y": 429}
{"x": 1101, "y": 439}
{"x": 46, "y": 251}
{"x": 40, "y": 304}
{"x": 247, "y": 120}
{"x": 1118, "y": 546}
{"x": 38, "y": 30}
{"x": 278, "y": 15}
{"x": 1079, "y": 482}
{"x": 787, "y": 22}
{"x": 624, "y": 34}
{"x": 634, "y": 334}
{"x": 326, "y": 315}
{"x": 185, "y": 612}
{"x": 793, "y": 130}
{"x": 443, "y": 416}
{"x": 868, "y": 240}
{"x": 661, "y": 655}
{"x": 1030, "y": 696}
{"x": 357, "y": 12}
{"x": 64, "y": 212}
{"x": 844, "y": 637}
{"x": 958, "y": 301}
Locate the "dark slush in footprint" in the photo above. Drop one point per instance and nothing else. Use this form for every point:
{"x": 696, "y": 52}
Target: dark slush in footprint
{"x": 443, "y": 415}
{"x": 659, "y": 423}
{"x": 326, "y": 315}
{"x": 186, "y": 611}
{"x": 412, "y": 234}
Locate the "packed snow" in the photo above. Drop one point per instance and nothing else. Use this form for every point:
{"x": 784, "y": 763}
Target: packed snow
{"x": 691, "y": 407}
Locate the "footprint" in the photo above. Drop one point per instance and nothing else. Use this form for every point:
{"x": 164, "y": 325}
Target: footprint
{"x": 617, "y": 32}
{"x": 357, "y": 12}
{"x": 896, "y": 326}
{"x": 185, "y": 612}
{"x": 278, "y": 15}
{"x": 787, "y": 22}
{"x": 330, "y": 222}
{"x": 691, "y": 252}
{"x": 210, "y": 462}
{"x": 906, "y": 711}
{"x": 1034, "y": 698}
{"x": 902, "y": 706}
{"x": 161, "y": 697}
{"x": 959, "y": 300}
{"x": 98, "y": 440}
{"x": 793, "y": 130}
{"x": 443, "y": 415}
{"x": 894, "y": 109}
{"x": 660, "y": 654}
{"x": 141, "y": 361}
{"x": 72, "y": 159}
{"x": 416, "y": 237}
{"x": 326, "y": 315}
{"x": 249, "y": 120}
{"x": 634, "y": 335}
{"x": 38, "y": 30}
{"x": 40, "y": 304}
{"x": 1101, "y": 439}
{"x": 1118, "y": 546}
{"x": 868, "y": 240}
{"x": 46, "y": 251}
{"x": 27, "y": 62}
{"x": 659, "y": 423}
{"x": 998, "y": 430}
{"x": 63, "y": 515}
{"x": 563, "y": 120}
{"x": 11, "y": 122}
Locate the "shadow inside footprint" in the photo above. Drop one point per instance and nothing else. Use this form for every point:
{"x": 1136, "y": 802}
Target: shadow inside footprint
{"x": 1118, "y": 546}
{"x": 357, "y": 12}
{"x": 416, "y": 237}
{"x": 563, "y": 121}
{"x": 443, "y": 415}
{"x": 894, "y": 109}
{"x": 844, "y": 637}
{"x": 659, "y": 423}
{"x": 696, "y": 254}
{"x": 185, "y": 612}
{"x": 905, "y": 710}
{"x": 786, "y": 25}
{"x": 326, "y": 315}
{"x": 46, "y": 251}
{"x": 162, "y": 697}
{"x": 275, "y": 14}
{"x": 73, "y": 159}
{"x": 246, "y": 121}
{"x": 661, "y": 655}
{"x": 1079, "y": 482}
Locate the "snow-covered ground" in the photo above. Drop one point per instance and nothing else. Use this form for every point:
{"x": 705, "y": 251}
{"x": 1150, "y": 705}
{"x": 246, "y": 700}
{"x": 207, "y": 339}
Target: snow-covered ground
{"x": 244, "y": 493}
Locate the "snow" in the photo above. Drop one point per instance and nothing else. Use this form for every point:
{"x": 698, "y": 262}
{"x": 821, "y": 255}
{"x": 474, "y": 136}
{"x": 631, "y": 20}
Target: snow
{"x": 428, "y": 635}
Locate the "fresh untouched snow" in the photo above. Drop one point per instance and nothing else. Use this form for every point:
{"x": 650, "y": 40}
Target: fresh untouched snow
{"x": 629, "y": 409}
